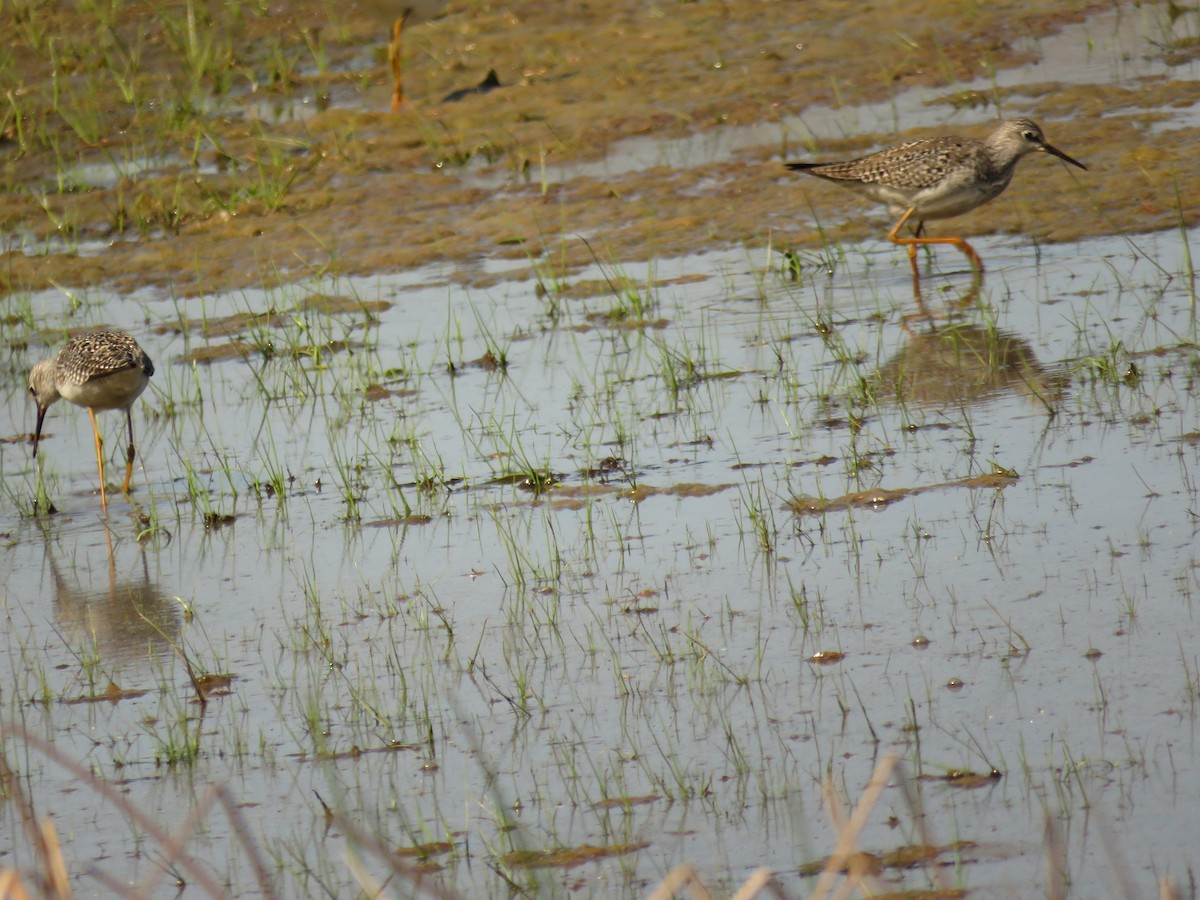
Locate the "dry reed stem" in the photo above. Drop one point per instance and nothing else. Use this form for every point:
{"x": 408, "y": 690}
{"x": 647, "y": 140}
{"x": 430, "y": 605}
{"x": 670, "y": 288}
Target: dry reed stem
{"x": 41, "y": 835}
{"x": 56, "y": 867}
{"x": 417, "y": 878}
{"x": 677, "y": 879}
{"x": 854, "y": 826}
{"x": 10, "y": 886}
{"x": 165, "y": 840}
{"x": 371, "y": 889}
{"x": 759, "y": 880}
{"x": 849, "y": 829}
{"x": 912, "y": 799}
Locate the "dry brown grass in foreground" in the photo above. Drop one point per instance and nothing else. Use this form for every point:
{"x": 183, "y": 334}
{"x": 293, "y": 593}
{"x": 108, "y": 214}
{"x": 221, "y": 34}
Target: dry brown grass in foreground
{"x": 846, "y": 872}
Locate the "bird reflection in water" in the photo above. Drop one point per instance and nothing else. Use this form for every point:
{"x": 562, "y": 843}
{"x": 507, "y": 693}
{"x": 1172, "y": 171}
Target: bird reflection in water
{"x": 959, "y": 364}
{"x": 124, "y": 618}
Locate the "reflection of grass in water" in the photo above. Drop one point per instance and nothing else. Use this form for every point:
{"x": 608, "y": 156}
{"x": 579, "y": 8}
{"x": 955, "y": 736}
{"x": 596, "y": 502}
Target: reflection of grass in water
{"x": 846, "y": 869}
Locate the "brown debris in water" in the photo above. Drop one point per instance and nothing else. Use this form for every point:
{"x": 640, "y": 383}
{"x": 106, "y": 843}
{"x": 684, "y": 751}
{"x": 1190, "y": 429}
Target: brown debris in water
{"x": 219, "y": 352}
{"x": 964, "y": 779}
{"x": 214, "y": 683}
{"x": 398, "y": 521}
{"x": 111, "y": 694}
{"x": 878, "y": 498}
{"x": 683, "y": 489}
{"x": 334, "y": 304}
{"x": 424, "y": 851}
{"x": 910, "y": 856}
{"x": 626, "y": 802}
{"x": 568, "y": 857}
{"x": 826, "y": 657}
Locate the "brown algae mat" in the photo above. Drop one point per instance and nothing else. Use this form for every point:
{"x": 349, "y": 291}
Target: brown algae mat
{"x": 249, "y": 145}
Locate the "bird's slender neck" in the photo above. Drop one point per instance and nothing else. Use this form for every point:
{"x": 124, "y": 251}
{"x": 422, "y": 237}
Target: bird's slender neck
{"x": 43, "y": 381}
{"x": 1002, "y": 154}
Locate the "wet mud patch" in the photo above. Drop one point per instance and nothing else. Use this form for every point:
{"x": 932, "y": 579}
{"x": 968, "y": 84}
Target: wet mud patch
{"x": 212, "y": 353}
{"x": 879, "y": 498}
{"x": 264, "y": 201}
{"x": 569, "y": 857}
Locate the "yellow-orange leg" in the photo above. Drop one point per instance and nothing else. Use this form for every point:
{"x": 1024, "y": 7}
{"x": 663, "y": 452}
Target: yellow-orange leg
{"x": 395, "y": 59}
{"x": 99, "y": 459}
{"x": 132, "y": 451}
{"x": 912, "y": 242}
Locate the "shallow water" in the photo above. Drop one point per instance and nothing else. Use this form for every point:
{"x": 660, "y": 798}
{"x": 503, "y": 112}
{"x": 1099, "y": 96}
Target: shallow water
{"x": 517, "y": 570}
{"x": 690, "y": 613}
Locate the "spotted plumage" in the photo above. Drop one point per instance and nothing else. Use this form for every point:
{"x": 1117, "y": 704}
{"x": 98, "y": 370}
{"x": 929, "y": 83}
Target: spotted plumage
{"x": 97, "y": 355}
{"x": 97, "y": 370}
{"x": 939, "y": 178}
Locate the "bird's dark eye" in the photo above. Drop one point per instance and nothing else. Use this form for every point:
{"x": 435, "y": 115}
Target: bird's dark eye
{"x": 1029, "y": 136}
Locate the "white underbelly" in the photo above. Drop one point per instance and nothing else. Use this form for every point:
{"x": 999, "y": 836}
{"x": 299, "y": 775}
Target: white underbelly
{"x": 117, "y": 391}
{"x": 940, "y": 203}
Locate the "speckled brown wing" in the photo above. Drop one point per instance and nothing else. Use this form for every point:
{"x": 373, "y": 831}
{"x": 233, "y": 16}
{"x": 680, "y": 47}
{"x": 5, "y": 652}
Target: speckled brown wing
{"x": 99, "y": 354}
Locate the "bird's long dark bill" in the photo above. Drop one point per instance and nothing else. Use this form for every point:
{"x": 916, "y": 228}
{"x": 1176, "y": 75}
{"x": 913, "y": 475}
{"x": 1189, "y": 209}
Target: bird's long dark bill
{"x": 1063, "y": 156}
{"x": 37, "y": 434}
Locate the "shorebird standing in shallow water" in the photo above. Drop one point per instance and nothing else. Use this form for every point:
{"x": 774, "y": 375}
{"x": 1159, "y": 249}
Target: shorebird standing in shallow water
{"x": 939, "y": 178}
{"x": 97, "y": 370}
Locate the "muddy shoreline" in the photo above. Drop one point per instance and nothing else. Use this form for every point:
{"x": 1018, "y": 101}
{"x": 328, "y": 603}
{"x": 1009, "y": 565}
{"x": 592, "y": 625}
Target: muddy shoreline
{"x": 241, "y": 199}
